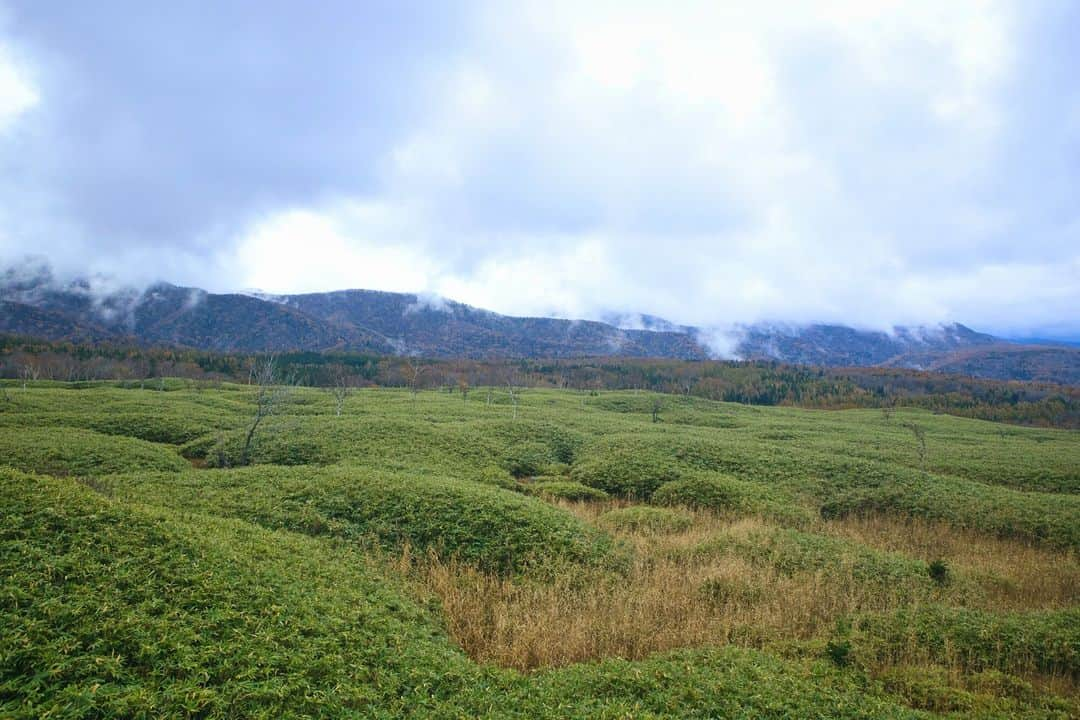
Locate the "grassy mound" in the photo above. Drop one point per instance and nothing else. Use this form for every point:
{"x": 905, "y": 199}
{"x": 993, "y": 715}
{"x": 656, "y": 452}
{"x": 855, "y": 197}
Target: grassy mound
{"x": 791, "y": 551}
{"x": 1045, "y": 641}
{"x": 70, "y": 451}
{"x": 528, "y": 459}
{"x": 497, "y": 530}
{"x": 566, "y": 490}
{"x": 172, "y": 418}
{"x": 641, "y": 518}
{"x": 136, "y": 614}
{"x": 625, "y": 471}
{"x": 1049, "y": 518}
{"x": 724, "y": 494}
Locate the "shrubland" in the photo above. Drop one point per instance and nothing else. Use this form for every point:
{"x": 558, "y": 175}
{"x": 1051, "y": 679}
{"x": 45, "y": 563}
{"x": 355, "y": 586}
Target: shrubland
{"x": 431, "y": 555}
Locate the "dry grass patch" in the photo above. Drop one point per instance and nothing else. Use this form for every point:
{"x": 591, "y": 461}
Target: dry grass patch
{"x": 669, "y": 598}
{"x": 1012, "y": 574}
{"x": 674, "y": 595}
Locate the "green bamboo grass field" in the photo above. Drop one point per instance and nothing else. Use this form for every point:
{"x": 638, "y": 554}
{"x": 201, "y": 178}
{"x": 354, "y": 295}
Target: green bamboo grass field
{"x": 429, "y": 555}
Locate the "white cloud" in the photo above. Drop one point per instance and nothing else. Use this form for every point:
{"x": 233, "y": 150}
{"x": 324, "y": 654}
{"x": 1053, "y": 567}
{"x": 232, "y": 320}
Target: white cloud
{"x": 17, "y": 94}
{"x": 304, "y": 251}
{"x": 859, "y": 161}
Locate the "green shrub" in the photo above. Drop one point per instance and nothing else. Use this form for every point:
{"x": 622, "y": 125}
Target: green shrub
{"x": 494, "y": 529}
{"x": 137, "y": 613}
{"x": 162, "y": 427}
{"x": 71, "y": 451}
{"x": 724, "y": 494}
{"x": 839, "y": 651}
{"x": 624, "y": 472}
{"x": 1048, "y": 518}
{"x": 641, "y": 518}
{"x": 791, "y": 551}
{"x": 494, "y": 475}
{"x": 939, "y": 571}
{"x": 566, "y": 490}
{"x": 527, "y": 459}
{"x": 989, "y": 693}
{"x": 1041, "y": 641}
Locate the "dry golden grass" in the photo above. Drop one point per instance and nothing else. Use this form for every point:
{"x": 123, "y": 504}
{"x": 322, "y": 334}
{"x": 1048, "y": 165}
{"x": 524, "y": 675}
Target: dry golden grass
{"x": 673, "y": 598}
{"x": 665, "y": 601}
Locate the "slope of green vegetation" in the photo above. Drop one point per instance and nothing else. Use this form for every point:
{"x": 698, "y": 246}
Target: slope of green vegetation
{"x": 119, "y": 610}
{"x": 758, "y": 382}
{"x": 369, "y": 561}
{"x": 74, "y": 451}
{"x": 494, "y": 529}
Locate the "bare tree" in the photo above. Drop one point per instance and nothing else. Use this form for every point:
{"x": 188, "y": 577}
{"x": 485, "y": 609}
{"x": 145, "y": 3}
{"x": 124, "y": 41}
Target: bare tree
{"x": 414, "y": 371}
{"x": 269, "y": 396}
{"x": 920, "y": 439}
{"x": 342, "y": 388}
{"x": 30, "y": 371}
{"x": 888, "y": 407}
{"x": 514, "y": 390}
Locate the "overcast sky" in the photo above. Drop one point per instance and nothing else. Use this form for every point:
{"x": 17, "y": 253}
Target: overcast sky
{"x": 862, "y": 161}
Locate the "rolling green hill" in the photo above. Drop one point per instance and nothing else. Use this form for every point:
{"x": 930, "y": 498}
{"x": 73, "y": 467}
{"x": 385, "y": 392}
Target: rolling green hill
{"x": 554, "y": 554}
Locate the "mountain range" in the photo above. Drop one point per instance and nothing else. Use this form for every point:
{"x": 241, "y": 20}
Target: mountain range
{"x": 33, "y": 303}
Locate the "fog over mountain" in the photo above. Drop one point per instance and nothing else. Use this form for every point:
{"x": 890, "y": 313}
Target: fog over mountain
{"x": 34, "y": 303}
{"x": 873, "y": 164}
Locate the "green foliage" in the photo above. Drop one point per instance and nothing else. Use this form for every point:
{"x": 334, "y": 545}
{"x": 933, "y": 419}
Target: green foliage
{"x": 939, "y": 571}
{"x": 989, "y": 693}
{"x": 137, "y": 613}
{"x": 566, "y": 490}
{"x": 151, "y": 588}
{"x": 68, "y": 451}
{"x": 619, "y": 468}
{"x": 839, "y": 651}
{"x": 727, "y": 495}
{"x": 1040, "y": 641}
{"x": 495, "y": 529}
{"x": 527, "y": 459}
{"x": 641, "y": 518}
{"x": 145, "y": 612}
{"x": 1048, "y": 518}
{"x": 791, "y": 551}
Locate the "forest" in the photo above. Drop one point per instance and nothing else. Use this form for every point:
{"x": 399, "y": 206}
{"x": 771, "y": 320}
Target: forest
{"x": 747, "y": 382}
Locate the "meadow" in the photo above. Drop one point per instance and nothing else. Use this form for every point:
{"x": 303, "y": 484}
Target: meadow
{"x": 538, "y": 553}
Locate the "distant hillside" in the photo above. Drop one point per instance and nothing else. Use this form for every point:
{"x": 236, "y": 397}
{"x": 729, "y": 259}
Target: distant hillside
{"x": 33, "y": 303}
{"x": 1001, "y": 361}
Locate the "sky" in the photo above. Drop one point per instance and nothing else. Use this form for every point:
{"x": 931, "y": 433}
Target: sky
{"x": 869, "y": 162}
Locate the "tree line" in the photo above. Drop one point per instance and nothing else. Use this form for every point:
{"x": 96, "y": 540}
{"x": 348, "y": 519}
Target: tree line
{"x": 749, "y": 382}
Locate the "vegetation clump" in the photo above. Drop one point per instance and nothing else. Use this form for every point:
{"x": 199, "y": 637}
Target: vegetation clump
{"x": 725, "y": 494}
{"x": 1016, "y": 642}
{"x": 492, "y": 528}
{"x": 625, "y": 471}
{"x": 641, "y": 518}
{"x": 567, "y": 490}
{"x": 71, "y": 451}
